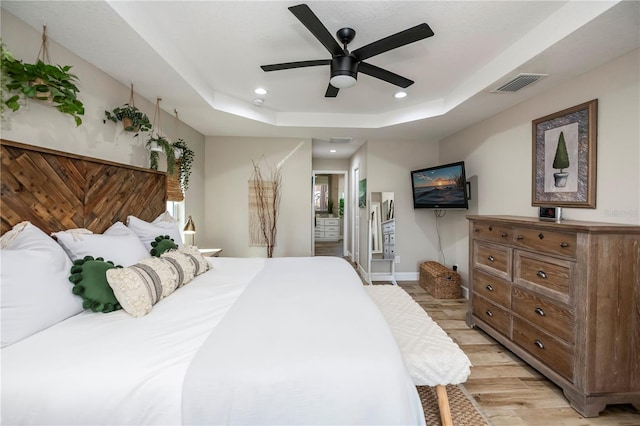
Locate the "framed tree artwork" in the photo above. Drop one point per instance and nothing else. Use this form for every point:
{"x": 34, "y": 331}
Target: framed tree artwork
{"x": 564, "y": 158}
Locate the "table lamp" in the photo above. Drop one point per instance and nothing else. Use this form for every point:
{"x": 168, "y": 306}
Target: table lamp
{"x": 190, "y": 228}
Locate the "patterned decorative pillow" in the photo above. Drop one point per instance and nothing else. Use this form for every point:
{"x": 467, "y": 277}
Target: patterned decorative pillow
{"x": 144, "y": 284}
{"x": 199, "y": 261}
{"x": 90, "y": 282}
{"x": 183, "y": 263}
{"x": 161, "y": 244}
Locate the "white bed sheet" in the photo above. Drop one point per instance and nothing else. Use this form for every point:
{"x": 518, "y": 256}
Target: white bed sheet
{"x": 303, "y": 345}
{"x": 111, "y": 368}
{"x": 99, "y": 368}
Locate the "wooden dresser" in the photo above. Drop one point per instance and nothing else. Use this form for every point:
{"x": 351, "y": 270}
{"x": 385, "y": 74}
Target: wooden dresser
{"x": 564, "y": 297}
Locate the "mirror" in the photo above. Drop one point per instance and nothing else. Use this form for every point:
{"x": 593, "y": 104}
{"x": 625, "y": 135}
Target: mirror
{"x": 382, "y": 229}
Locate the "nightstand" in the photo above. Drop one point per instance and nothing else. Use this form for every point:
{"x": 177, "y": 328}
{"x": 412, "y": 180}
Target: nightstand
{"x": 215, "y": 252}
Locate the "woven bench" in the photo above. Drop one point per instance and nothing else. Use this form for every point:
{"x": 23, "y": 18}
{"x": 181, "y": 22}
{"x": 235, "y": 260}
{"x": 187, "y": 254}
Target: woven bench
{"x": 431, "y": 357}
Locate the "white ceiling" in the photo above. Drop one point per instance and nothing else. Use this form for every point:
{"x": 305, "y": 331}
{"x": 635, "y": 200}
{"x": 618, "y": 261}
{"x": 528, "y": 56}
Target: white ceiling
{"x": 203, "y": 58}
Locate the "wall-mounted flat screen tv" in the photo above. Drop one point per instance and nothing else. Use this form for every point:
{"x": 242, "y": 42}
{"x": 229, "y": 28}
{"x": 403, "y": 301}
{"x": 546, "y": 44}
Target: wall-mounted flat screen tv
{"x": 440, "y": 187}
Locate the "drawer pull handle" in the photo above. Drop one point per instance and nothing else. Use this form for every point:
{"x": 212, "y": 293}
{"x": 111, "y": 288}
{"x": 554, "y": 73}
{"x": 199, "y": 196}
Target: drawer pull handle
{"x": 539, "y": 311}
{"x": 541, "y": 274}
{"x": 541, "y": 236}
{"x": 503, "y": 234}
{"x": 519, "y": 237}
{"x": 489, "y": 287}
{"x": 489, "y": 313}
{"x": 491, "y": 228}
{"x": 491, "y": 258}
{"x": 564, "y": 245}
{"x": 539, "y": 344}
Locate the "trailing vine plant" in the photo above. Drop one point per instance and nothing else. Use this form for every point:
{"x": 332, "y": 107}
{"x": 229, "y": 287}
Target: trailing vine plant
{"x": 158, "y": 143}
{"x": 185, "y": 163}
{"x": 41, "y": 81}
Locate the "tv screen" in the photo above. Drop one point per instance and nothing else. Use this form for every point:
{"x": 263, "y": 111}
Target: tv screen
{"x": 440, "y": 187}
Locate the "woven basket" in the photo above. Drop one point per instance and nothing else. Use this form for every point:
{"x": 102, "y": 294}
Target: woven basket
{"x": 440, "y": 281}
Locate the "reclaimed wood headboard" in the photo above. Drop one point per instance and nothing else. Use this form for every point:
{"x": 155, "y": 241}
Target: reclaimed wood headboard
{"x": 58, "y": 191}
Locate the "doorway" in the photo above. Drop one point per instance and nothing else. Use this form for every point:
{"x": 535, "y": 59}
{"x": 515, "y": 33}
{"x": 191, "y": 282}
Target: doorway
{"x": 330, "y": 213}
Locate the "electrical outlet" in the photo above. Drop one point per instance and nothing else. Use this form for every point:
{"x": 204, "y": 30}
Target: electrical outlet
{"x": 397, "y": 259}
{"x": 454, "y": 267}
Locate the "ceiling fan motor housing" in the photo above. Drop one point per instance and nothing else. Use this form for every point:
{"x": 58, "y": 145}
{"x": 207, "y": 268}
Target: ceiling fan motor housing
{"x": 344, "y": 65}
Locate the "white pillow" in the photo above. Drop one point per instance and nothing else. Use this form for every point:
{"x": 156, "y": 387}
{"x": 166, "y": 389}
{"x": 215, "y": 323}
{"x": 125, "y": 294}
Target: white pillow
{"x": 118, "y": 244}
{"x": 162, "y": 225}
{"x": 36, "y": 292}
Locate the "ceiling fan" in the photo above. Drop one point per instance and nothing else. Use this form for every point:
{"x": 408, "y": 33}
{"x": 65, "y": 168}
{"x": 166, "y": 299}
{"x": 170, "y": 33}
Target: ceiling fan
{"x": 345, "y": 65}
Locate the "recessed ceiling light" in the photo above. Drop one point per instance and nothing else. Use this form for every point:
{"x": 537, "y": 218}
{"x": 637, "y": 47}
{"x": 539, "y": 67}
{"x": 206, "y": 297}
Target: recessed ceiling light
{"x": 332, "y": 150}
{"x": 258, "y": 101}
{"x": 260, "y": 91}
{"x": 400, "y": 95}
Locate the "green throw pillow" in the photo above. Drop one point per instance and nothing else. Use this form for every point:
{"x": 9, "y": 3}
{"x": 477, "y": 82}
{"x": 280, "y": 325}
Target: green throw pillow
{"x": 161, "y": 244}
{"x": 89, "y": 277}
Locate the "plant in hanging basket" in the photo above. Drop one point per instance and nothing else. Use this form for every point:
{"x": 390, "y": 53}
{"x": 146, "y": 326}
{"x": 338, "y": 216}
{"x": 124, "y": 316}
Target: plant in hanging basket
{"x": 157, "y": 144}
{"x": 41, "y": 81}
{"x": 186, "y": 162}
{"x": 133, "y": 120}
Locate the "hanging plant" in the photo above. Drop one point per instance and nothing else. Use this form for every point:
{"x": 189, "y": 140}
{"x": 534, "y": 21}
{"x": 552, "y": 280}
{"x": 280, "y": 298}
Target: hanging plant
{"x": 185, "y": 163}
{"x": 158, "y": 143}
{"x": 41, "y": 81}
{"x": 133, "y": 120}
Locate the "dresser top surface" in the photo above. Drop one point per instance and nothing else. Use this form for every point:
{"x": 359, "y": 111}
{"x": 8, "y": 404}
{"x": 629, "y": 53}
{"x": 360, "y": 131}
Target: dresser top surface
{"x": 567, "y": 225}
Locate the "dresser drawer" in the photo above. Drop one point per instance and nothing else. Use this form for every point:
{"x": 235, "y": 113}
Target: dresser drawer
{"x": 547, "y": 349}
{"x": 492, "y": 314}
{"x": 493, "y": 288}
{"x": 493, "y": 258}
{"x": 319, "y": 233}
{"x": 553, "y": 317}
{"x": 389, "y": 226}
{"x": 492, "y": 232}
{"x": 331, "y": 228}
{"x": 546, "y": 272}
{"x": 550, "y": 242}
{"x": 331, "y": 222}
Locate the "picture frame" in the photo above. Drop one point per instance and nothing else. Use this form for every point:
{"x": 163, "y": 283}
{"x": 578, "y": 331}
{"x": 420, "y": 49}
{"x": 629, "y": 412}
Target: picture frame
{"x": 565, "y": 141}
{"x": 362, "y": 193}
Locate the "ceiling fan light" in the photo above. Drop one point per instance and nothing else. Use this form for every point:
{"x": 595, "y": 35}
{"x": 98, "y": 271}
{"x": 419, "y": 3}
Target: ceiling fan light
{"x": 342, "y": 81}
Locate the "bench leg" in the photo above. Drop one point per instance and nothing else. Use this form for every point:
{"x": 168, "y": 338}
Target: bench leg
{"x": 443, "y": 404}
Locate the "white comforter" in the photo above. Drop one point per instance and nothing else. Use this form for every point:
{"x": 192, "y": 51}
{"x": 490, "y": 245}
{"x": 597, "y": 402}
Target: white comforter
{"x": 307, "y": 347}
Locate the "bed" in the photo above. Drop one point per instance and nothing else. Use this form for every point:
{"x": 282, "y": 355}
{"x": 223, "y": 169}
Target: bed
{"x": 250, "y": 341}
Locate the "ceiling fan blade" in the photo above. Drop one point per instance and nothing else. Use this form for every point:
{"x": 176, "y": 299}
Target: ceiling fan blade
{"x": 331, "y": 92}
{"x": 393, "y": 41}
{"x": 317, "y": 28}
{"x": 298, "y": 64}
{"x": 385, "y": 75}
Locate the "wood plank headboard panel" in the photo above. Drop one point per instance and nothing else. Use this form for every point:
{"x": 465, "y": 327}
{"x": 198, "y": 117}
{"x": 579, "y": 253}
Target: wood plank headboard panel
{"x": 57, "y": 191}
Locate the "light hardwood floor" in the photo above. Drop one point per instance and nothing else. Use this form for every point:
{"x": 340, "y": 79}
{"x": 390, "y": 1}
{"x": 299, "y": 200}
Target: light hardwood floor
{"x": 509, "y": 391}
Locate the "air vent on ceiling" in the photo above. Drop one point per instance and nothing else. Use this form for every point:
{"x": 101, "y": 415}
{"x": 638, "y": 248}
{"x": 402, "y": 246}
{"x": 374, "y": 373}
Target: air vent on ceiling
{"x": 520, "y": 81}
{"x": 340, "y": 140}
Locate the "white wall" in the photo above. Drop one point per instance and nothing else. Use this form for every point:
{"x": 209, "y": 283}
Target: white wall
{"x": 498, "y": 151}
{"x": 228, "y": 169}
{"x": 389, "y": 164}
{"x": 41, "y": 125}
